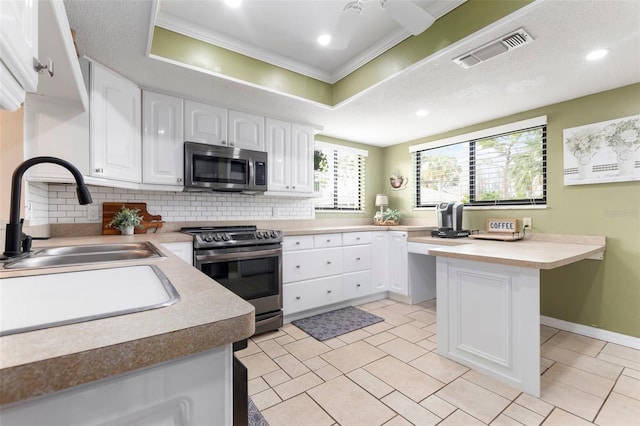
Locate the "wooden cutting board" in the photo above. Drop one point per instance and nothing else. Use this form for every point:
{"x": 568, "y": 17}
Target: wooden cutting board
{"x": 149, "y": 221}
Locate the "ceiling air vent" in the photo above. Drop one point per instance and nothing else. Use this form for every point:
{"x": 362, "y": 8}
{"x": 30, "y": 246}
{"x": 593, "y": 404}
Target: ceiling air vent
{"x": 494, "y": 48}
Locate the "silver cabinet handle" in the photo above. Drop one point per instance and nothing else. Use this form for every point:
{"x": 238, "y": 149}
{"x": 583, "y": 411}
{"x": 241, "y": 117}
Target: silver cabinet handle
{"x": 328, "y": 241}
{"x": 328, "y": 291}
{"x": 297, "y": 297}
{"x": 357, "y": 258}
{"x": 232, "y": 144}
{"x": 39, "y": 67}
{"x": 297, "y": 243}
{"x": 287, "y": 186}
{"x": 297, "y": 266}
{"x": 223, "y": 142}
{"x": 179, "y": 180}
{"x": 357, "y": 285}
{"x": 328, "y": 262}
{"x": 357, "y": 238}
{"x": 293, "y": 187}
{"x": 99, "y": 170}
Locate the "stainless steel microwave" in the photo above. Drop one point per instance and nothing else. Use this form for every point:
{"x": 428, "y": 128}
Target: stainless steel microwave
{"x": 221, "y": 168}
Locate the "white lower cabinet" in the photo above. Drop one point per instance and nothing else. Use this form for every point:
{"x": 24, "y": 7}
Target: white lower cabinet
{"x": 184, "y": 250}
{"x": 324, "y": 269}
{"x": 356, "y": 284}
{"x": 311, "y": 294}
{"x": 193, "y": 390}
{"x": 380, "y": 261}
{"x": 398, "y": 268}
{"x": 306, "y": 265}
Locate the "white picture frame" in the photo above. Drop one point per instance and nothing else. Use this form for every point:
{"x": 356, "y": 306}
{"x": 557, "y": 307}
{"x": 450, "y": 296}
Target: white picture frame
{"x": 608, "y": 151}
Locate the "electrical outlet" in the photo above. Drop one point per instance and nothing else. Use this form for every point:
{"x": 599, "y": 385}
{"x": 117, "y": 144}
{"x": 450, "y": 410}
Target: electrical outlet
{"x": 526, "y": 223}
{"x": 93, "y": 212}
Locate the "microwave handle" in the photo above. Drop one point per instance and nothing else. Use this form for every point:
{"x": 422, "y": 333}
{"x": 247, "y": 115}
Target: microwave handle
{"x": 252, "y": 172}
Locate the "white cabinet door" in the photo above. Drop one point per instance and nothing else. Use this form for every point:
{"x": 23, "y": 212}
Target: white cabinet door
{"x": 380, "y": 261}
{"x": 205, "y": 123}
{"x": 302, "y": 144}
{"x": 309, "y": 264}
{"x": 162, "y": 144}
{"x": 246, "y": 131}
{"x": 115, "y": 126}
{"x": 356, "y": 284}
{"x": 311, "y": 294}
{"x": 398, "y": 255}
{"x": 356, "y": 258}
{"x": 279, "y": 151}
{"x": 18, "y": 48}
{"x": 183, "y": 250}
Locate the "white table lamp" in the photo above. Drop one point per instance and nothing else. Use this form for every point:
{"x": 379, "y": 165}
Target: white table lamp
{"x": 381, "y": 201}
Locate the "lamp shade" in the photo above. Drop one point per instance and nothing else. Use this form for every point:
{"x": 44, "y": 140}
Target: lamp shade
{"x": 382, "y": 200}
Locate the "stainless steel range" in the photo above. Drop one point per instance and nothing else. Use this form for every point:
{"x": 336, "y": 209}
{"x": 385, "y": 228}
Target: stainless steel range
{"x": 247, "y": 261}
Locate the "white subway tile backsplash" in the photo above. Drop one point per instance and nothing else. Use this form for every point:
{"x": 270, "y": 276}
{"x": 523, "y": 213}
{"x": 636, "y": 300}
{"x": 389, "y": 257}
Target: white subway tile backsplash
{"x": 57, "y": 203}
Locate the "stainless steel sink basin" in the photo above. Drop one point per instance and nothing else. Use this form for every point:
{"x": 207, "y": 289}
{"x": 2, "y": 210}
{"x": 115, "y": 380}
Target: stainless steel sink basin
{"x": 78, "y": 255}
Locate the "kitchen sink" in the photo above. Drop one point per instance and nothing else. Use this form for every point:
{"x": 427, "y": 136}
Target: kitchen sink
{"x": 49, "y": 300}
{"x": 78, "y": 255}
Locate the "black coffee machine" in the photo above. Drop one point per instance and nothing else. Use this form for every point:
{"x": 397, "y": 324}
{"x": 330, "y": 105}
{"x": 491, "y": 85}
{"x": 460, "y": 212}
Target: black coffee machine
{"x": 450, "y": 220}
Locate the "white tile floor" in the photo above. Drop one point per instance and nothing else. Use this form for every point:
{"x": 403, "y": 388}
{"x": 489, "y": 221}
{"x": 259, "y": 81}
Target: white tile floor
{"x": 390, "y": 373}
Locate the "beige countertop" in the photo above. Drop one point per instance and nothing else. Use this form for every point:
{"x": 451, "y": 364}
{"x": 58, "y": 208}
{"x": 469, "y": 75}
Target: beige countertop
{"x": 207, "y": 316}
{"x": 311, "y": 230}
{"x": 539, "y": 251}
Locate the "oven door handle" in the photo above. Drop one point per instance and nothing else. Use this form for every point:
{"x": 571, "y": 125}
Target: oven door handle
{"x": 211, "y": 257}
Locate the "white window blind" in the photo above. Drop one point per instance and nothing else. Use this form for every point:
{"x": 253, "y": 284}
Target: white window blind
{"x": 342, "y": 184}
{"x": 506, "y": 168}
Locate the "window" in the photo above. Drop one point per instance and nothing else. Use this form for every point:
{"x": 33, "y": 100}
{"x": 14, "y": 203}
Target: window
{"x": 500, "y": 166}
{"x": 342, "y": 182}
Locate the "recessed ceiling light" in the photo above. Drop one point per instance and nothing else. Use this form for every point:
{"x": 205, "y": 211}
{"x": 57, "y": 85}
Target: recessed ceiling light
{"x": 233, "y": 3}
{"x": 597, "y": 54}
{"x": 422, "y": 112}
{"x": 324, "y": 39}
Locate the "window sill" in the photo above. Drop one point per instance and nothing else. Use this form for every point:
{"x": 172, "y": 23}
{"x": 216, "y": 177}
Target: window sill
{"x": 466, "y": 208}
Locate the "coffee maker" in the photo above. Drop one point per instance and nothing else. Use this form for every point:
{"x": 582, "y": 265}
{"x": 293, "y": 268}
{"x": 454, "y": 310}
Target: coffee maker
{"x": 450, "y": 220}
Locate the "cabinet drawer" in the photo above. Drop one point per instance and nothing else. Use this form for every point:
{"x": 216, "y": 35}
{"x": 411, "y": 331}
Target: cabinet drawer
{"x": 309, "y": 264}
{"x": 356, "y": 258}
{"x": 327, "y": 240}
{"x": 311, "y": 294}
{"x": 356, "y": 284}
{"x": 300, "y": 242}
{"x": 354, "y": 238}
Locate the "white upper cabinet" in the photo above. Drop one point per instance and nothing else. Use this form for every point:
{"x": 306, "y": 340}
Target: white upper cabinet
{"x": 246, "y": 131}
{"x": 162, "y": 139}
{"x": 290, "y": 149}
{"x": 279, "y": 152}
{"x": 115, "y": 126}
{"x": 18, "y": 48}
{"x": 205, "y": 123}
{"x": 302, "y": 143}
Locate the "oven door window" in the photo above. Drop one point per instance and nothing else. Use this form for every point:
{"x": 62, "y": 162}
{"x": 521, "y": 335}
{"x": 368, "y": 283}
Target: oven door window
{"x": 220, "y": 169}
{"x": 248, "y": 278}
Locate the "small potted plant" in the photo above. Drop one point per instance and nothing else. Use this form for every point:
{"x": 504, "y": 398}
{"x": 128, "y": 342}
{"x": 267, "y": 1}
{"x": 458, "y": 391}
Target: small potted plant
{"x": 125, "y": 220}
{"x": 319, "y": 165}
{"x": 391, "y": 217}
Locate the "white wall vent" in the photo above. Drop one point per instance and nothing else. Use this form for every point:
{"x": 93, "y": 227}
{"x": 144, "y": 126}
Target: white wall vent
{"x": 494, "y": 48}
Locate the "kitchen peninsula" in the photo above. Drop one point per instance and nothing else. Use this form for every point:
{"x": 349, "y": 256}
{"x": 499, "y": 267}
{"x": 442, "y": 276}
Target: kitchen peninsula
{"x": 154, "y": 347}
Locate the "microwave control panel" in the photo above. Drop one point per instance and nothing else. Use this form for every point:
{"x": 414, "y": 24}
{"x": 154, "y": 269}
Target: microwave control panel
{"x": 261, "y": 173}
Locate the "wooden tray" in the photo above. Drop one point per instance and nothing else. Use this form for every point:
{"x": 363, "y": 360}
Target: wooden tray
{"x": 498, "y": 237}
{"x": 149, "y": 221}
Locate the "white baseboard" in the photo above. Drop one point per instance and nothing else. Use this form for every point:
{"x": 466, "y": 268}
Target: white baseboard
{"x": 596, "y": 333}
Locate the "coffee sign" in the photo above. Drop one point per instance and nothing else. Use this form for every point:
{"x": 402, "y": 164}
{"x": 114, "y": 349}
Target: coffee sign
{"x": 502, "y": 225}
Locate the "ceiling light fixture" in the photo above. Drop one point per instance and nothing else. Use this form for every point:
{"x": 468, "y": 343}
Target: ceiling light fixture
{"x": 597, "y": 54}
{"x": 324, "y": 39}
{"x": 233, "y": 3}
{"x": 422, "y": 113}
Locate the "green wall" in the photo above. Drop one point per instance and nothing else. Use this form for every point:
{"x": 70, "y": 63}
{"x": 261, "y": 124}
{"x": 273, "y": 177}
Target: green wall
{"x": 373, "y": 184}
{"x": 603, "y": 294}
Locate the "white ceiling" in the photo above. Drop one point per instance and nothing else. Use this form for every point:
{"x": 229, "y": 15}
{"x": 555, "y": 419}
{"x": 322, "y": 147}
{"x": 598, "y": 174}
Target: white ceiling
{"x": 549, "y": 70}
{"x": 284, "y": 33}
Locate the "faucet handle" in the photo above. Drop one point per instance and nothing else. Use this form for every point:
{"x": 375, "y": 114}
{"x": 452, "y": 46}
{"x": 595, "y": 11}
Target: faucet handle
{"x": 26, "y": 243}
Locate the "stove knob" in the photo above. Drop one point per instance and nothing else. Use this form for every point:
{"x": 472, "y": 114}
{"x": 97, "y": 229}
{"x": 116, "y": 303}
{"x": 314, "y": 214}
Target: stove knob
{"x": 208, "y": 237}
{"x": 217, "y": 237}
{"x": 259, "y": 235}
{"x": 274, "y": 234}
{"x": 226, "y": 237}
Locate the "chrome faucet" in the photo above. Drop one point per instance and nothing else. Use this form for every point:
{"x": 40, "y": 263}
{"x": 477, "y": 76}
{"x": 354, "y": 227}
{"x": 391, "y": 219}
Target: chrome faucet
{"x": 15, "y": 241}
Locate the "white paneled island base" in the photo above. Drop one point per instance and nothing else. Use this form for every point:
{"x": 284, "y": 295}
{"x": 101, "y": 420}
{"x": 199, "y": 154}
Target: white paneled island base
{"x": 489, "y": 300}
{"x": 489, "y": 319}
